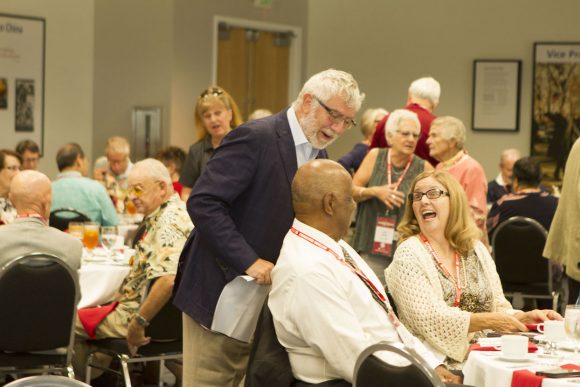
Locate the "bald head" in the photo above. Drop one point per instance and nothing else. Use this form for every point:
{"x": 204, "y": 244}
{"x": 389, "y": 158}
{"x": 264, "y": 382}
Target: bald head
{"x": 31, "y": 192}
{"x": 322, "y": 197}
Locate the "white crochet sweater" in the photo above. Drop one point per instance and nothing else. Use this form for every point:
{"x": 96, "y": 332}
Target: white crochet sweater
{"x": 413, "y": 280}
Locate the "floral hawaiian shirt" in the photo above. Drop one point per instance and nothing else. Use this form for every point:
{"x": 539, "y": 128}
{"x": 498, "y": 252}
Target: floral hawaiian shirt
{"x": 156, "y": 253}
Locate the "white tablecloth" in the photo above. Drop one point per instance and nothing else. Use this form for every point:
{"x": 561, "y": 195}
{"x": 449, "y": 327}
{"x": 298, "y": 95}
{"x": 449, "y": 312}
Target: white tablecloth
{"x": 99, "y": 282}
{"x": 486, "y": 369}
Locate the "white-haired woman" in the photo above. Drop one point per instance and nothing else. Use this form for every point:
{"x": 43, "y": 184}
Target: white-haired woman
{"x": 353, "y": 159}
{"x": 447, "y": 144}
{"x": 380, "y": 186}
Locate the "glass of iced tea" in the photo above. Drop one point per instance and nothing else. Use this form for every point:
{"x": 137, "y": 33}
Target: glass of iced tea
{"x": 76, "y": 229}
{"x": 91, "y": 235}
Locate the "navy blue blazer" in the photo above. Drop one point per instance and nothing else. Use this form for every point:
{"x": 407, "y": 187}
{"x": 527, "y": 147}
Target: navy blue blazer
{"x": 241, "y": 207}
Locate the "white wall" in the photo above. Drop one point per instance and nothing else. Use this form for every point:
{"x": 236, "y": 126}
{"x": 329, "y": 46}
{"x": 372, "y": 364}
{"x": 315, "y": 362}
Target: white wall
{"x": 68, "y": 109}
{"x": 387, "y": 44}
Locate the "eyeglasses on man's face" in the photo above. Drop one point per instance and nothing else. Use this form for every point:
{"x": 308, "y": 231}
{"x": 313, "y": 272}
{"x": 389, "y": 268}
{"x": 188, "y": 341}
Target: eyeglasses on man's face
{"x": 336, "y": 116}
{"x": 215, "y": 91}
{"x": 433, "y": 193}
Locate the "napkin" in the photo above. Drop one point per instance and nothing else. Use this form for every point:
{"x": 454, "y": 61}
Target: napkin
{"x": 525, "y": 378}
{"x": 91, "y": 317}
{"x": 570, "y": 367}
{"x": 532, "y": 327}
{"x": 477, "y": 347}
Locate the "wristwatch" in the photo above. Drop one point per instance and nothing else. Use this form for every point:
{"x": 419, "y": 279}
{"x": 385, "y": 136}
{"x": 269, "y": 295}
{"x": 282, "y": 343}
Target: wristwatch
{"x": 141, "y": 320}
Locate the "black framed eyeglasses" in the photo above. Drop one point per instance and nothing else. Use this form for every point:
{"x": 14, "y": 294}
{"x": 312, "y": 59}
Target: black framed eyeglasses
{"x": 336, "y": 116}
{"x": 433, "y": 193}
{"x": 215, "y": 91}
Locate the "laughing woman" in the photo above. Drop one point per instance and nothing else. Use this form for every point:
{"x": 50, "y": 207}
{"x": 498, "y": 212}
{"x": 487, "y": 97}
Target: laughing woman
{"x": 380, "y": 186}
{"x": 442, "y": 278}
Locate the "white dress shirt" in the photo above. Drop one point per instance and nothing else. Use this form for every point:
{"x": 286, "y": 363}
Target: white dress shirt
{"x": 304, "y": 150}
{"x": 324, "y": 314}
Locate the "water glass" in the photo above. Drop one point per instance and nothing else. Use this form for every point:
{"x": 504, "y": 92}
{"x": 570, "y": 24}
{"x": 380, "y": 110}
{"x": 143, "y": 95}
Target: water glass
{"x": 572, "y": 325}
{"x": 76, "y": 229}
{"x": 109, "y": 236}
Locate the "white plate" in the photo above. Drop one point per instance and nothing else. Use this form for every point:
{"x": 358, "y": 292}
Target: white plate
{"x": 513, "y": 360}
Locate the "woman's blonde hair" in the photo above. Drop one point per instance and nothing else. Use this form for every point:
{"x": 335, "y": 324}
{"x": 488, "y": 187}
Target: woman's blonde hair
{"x": 370, "y": 119}
{"x": 207, "y": 99}
{"x": 460, "y": 231}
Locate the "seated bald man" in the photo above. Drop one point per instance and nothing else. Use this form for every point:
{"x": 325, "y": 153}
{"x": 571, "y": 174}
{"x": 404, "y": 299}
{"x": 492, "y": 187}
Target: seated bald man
{"x": 324, "y": 313}
{"x": 30, "y": 193}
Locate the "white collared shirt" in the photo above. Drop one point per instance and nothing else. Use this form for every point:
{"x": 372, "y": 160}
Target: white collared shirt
{"x": 304, "y": 150}
{"x": 324, "y": 315}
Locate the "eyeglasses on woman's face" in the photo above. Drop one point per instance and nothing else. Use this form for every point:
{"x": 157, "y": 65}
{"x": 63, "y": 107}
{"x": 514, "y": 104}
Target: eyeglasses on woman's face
{"x": 433, "y": 193}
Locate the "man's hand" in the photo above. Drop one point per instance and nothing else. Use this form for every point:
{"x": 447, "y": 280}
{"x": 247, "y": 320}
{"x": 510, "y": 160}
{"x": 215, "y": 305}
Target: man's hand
{"x": 447, "y": 376}
{"x": 136, "y": 337}
{"x": 260, "y": 270}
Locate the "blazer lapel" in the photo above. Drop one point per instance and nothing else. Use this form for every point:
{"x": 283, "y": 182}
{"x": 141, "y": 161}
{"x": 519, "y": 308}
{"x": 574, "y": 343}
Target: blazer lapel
{"x": 286, "y": 146}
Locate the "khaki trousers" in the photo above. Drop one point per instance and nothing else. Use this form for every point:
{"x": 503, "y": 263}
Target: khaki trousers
{"x": 212, "y": 359}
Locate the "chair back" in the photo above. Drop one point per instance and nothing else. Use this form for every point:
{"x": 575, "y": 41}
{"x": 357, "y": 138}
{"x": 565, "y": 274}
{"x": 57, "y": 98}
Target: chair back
{"x": 370, "y": 371}
{"x": 38, "y": 294}
{"x": 517, "y": 246}
{"x": 167, "y": 323}
{"x": 269, "y": 364}
{"x": 46, "y": 381}
{"x": 61, "y": 217}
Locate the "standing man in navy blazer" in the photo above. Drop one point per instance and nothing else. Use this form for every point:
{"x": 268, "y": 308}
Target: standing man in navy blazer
{"x": 241, "y": 207}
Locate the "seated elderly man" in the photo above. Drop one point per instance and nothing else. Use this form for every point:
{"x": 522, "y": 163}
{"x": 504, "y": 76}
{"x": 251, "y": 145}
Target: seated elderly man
{"x": 528, "y": 199}
{"x": 326, "y": 303}
{"x": 167, "y": 226}
{"x": 30, "y": 193}
{"x": 502, "y": 184}
{"x": 113, "y": 173}
{"x": 71, "y": 189}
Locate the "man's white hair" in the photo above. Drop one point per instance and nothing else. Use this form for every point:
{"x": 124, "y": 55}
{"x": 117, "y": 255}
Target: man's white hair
{"x": 451, "y": 128}
{"x": 426, "y": 88}
{"x": 154, "y": 169}
{"x": 329, "y": 83}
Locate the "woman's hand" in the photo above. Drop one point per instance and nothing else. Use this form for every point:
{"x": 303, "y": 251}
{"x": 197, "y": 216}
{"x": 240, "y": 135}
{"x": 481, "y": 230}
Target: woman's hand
{"x": 536, "y": 316}
{"x": 389, "y": 195}
{"x": 500, "y": 322}
{"x": 447, "y": 376}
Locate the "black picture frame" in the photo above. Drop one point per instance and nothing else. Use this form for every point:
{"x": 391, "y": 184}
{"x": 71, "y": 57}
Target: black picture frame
{"x": 496, "y": 95}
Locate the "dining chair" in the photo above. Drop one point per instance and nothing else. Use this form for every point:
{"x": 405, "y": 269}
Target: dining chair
{"x": 166, "y": 333}
{"x": 46, "y": 381}
{"x": 517, "y": 247}
{"x": 370, "y": 371}
{"x": 61, "y": 217}
{"x": 38, "y": 296}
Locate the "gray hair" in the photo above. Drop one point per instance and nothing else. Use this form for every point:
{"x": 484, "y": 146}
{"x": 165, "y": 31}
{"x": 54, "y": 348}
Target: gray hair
{"x": 329, "y": 83}
{"x": 399, "y": 115}
{"x": 452, "y": 128}
{"x": 152, "y": 168}
{"x": 509, "y": 153}
{"x": 426, "y": 88}
{"x": 368, "y": 121}
{"x": 118, "y": 144}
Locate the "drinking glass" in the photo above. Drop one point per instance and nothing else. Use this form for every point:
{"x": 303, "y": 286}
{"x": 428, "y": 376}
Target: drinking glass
{"x": 572, "y": 325}
{"x": 108, "y": 236}
{"x": 91, "y": 236}
{"x": 76, "y": 229}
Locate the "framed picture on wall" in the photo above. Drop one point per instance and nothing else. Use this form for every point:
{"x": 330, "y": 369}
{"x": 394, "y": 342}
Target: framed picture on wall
{"x": 496, "y": 95}
{"x": 556, "y": 106}
{"x": 22, "y": 55}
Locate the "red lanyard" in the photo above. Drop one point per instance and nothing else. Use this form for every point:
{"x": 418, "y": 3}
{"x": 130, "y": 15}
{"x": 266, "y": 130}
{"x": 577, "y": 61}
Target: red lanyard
{"x": 33, "y": 215}
{"x": 445, "y": 271}
{"x": 340, "y": 259}
{"x": 389, "y": 167}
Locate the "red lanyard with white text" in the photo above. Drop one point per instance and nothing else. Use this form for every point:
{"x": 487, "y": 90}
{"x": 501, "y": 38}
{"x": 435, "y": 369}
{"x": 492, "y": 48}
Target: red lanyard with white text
{"x": 445, "y": 271}
{"x": 389, "y": 168}
{"x": 360, "y": 274}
